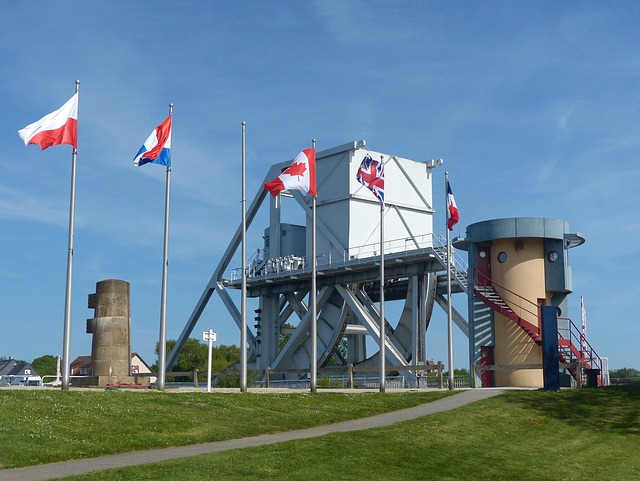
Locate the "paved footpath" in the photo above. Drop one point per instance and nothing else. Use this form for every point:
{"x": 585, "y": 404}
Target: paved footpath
{"x": 82, "y": 466}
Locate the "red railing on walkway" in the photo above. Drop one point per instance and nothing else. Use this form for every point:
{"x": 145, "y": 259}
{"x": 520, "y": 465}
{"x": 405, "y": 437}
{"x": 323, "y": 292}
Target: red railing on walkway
{"x": 572, "y": 345}
{"x": 578, "y": 345}
{"x": 513, "y": 306}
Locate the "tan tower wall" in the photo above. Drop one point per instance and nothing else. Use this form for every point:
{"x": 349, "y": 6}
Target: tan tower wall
{"x": 523, "y": 273}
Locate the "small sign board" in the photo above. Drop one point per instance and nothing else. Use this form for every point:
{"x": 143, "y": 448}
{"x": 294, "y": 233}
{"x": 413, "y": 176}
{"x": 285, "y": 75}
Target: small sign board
{"x": 209, "y": 335}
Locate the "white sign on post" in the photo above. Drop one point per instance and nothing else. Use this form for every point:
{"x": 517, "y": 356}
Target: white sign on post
{"x": 210, "y": 336}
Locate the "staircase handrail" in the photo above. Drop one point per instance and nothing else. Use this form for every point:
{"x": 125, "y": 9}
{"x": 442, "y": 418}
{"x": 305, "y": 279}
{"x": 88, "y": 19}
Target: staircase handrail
{"x": 532, "y": 308}
{"x": 457, "y": 259}
{"x": 579, "y": 348}
{"x": 576, "y": 338}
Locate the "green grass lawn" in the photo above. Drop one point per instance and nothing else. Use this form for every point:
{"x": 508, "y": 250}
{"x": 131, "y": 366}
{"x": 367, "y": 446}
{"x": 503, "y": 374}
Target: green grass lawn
{"x": 585, "y": 434}
{"x": 44, "y": 426}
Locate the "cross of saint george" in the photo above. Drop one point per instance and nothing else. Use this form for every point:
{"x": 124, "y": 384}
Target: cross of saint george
{"x": 371, "y": 178}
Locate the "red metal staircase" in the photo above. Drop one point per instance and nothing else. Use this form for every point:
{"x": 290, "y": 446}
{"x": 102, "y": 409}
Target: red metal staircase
{"x": 572, "y": 345}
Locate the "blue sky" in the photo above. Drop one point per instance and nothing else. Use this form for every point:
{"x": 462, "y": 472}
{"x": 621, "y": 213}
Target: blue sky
{"x": 532, "y": 105}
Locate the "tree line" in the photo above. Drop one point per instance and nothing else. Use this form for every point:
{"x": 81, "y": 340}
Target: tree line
{"x": 195, "y": 353}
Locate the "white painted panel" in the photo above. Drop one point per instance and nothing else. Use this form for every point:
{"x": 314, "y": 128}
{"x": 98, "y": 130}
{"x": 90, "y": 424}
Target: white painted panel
{"x": 352, "y": 213}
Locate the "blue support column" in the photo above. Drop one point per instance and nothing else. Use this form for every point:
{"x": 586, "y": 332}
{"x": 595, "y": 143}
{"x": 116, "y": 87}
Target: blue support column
{"x": 550, "y": 359}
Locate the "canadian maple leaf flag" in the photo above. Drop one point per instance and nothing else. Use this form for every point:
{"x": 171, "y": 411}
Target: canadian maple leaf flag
{"x": 301, "y": 175}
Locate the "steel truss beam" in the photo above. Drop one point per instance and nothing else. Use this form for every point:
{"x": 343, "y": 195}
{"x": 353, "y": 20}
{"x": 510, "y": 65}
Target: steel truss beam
{"x": 370, "y": 318}
{"x": 215, "y": 283}
{"x": 301, "y": 331}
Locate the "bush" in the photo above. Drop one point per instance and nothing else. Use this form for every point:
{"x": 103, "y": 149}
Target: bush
{"x": 624, "y": 373}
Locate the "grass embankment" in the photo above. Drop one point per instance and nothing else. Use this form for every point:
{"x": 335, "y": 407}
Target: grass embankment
{"x": 43, "y": 426}
{"x": 585, "y": 434}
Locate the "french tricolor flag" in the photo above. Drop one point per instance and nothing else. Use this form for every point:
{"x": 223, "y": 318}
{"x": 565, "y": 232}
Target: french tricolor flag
{"x": 157, "y": 148}
{"x": 452, "y": 209}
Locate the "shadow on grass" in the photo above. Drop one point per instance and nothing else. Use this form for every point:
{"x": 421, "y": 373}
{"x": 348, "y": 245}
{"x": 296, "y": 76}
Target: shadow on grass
{"x": 613, "y": 408}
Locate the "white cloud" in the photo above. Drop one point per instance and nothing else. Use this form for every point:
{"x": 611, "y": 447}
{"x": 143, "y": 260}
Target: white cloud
{"x": 31, "y": 207}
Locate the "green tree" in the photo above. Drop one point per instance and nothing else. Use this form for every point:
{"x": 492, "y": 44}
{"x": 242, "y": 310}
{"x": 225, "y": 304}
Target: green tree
{"x": 45, "y": 365}
{"x": 195, "y": 354}
{"x": 224, "y": 356}
{"x": 624, "y": 373}
{"x": 341, "y": 351}
{"x": 284, "y": 338}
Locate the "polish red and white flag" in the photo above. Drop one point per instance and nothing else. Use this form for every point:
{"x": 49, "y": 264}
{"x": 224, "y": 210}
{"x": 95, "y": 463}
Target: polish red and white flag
{"x": 57, "y": 128}
{"x": 301, "y": 175}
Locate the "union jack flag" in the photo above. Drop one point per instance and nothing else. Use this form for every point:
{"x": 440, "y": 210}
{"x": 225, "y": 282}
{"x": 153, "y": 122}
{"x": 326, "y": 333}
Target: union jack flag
{"x": 371, "y": 175}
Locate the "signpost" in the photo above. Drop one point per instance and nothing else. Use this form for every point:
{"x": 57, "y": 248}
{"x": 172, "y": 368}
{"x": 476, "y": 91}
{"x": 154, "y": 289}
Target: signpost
{"x": 210, "y": 336}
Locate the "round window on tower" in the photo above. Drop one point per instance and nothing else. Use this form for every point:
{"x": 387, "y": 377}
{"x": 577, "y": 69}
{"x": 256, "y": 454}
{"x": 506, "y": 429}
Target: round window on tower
{"x": 552, "y": 256}
{"x": 502, "y": 257}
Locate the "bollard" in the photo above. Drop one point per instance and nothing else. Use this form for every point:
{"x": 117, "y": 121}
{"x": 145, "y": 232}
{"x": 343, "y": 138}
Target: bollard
{"x": 579, "y": 373}
{"x": 440, "y": 369}
{"x": 350, "y": 376}
{"x": 474, "y": 381}
{"x": 267, "y": 377}
{"x": 195, "y": 377}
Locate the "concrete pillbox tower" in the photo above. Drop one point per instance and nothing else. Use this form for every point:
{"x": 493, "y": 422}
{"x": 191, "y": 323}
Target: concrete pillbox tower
{"x": 111, "y": 329}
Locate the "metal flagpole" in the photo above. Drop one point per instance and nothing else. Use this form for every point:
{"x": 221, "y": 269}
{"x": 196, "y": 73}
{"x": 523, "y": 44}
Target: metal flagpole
{"x": 383, "y": 354}
{"x": 162, "y": 351}
{"x": 583, "y": 346}
{"x": 449, "y": 308}
{"x": 243, "y": 328}
{"x": 312, "y": 297}
{"x": 66, "y": 338}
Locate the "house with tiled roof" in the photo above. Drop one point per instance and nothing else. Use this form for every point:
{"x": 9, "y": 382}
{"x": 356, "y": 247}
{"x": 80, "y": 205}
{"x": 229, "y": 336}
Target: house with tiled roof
{"x": 14, "y": 373}
{"x": 81, "y": 366}
{"x": 138, "y": 366}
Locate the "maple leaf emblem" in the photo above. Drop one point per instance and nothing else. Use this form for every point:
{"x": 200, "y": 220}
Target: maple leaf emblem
{"x": 296, "y": 169}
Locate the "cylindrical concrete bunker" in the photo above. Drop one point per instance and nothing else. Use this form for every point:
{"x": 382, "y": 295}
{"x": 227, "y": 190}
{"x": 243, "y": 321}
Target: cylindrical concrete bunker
{"x": 111, "y": 329}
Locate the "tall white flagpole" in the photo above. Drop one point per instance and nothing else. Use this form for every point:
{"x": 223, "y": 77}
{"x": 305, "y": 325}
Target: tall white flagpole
{"x": 312, "y": 297}
{"x": 162, "y": 351}
{"x": 243, "y": 328}
{"x": 383, "y": 354}
{"x": 66, "y": 339}
{"x": 449, "y": 308}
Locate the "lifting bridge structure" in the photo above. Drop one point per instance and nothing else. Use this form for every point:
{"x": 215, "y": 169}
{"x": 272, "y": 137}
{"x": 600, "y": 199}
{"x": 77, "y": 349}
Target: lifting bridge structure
{"x": 348, "y": 261}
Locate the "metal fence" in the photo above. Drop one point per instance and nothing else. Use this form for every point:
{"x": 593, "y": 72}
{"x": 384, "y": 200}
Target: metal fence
{"x": 259, "y": 265}
{"x": 427, "y": 376}
{"x": 369, "y": 382}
